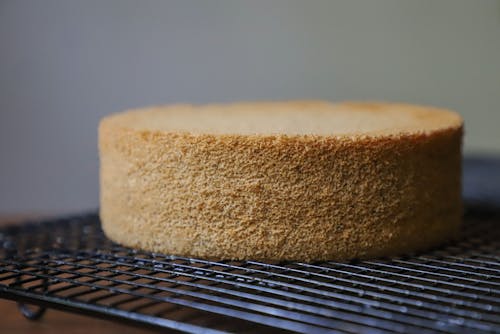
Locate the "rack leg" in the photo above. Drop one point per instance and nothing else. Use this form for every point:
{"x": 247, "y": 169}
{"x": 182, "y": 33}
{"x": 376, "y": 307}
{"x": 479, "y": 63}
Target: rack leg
{"x": 31, "y": 312}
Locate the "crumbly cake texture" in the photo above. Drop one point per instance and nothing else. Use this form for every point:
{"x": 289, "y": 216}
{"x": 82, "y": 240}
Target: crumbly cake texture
{"x": 300, "y": 180}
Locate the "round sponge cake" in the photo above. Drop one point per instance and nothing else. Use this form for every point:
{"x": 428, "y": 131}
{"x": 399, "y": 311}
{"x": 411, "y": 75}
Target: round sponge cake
{"x": 299, "y": 180}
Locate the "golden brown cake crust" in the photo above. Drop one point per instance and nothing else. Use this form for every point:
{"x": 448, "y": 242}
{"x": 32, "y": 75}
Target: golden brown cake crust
{"x": 279, "y": 196}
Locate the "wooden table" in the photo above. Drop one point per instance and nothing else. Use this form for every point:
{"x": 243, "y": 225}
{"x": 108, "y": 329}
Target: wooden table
{"x": 54, "y": 322}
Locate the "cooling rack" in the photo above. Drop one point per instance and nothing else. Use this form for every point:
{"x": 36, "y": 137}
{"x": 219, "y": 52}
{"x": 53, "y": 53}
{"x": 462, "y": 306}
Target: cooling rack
{"x": 69, "y": 264}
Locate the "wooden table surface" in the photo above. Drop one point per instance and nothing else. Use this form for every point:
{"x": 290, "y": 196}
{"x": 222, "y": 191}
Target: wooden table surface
{"x": 54, "y": 322}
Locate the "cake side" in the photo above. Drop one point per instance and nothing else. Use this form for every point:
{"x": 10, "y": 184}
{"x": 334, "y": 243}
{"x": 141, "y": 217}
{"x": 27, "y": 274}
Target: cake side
{"x": 279, "y": 197}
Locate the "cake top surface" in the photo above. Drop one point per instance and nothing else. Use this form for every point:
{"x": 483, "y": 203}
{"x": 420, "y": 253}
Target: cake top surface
{"x": 290, "y": 118}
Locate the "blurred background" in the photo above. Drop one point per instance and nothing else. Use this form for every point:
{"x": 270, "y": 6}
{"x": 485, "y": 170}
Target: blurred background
{"x": 65, "y": 64}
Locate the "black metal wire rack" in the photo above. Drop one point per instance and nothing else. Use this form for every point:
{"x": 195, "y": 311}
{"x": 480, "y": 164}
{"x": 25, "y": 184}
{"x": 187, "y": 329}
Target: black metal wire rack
{"x": 69, "y": 264}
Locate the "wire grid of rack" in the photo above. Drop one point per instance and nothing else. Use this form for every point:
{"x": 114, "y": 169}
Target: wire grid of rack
{"x": 69, "y": 264}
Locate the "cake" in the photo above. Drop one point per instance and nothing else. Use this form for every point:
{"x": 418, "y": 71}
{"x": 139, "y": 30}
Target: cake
{"x": 279, "y": 181}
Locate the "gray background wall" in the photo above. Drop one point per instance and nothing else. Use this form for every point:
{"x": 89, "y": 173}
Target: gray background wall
{"x": 64, "y": 64}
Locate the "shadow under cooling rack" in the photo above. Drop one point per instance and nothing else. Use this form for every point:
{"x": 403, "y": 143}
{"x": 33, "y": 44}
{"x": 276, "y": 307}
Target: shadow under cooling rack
{"x": 69, "y": 264}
